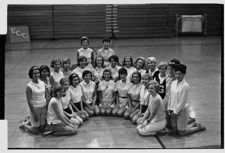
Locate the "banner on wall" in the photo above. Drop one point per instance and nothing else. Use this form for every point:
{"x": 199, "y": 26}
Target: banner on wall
{"x": 17, "y": 34}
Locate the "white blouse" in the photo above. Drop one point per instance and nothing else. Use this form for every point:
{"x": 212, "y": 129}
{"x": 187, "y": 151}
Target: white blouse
{"x": 122, "y": 88}
{"x": 114, "y": 71}
{"x": 66, "y": 99}
{"x": 86, "y": 52}
{"x": 76, "y": 93}
{"x": 88, "y": 90}
{"x": 38, "y": 93}
{"x": 107, "y": 88}
{"x": 57, "y": 76}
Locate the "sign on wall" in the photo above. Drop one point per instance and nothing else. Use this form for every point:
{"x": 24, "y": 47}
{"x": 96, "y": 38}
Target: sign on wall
{"x": 18, "y": 34}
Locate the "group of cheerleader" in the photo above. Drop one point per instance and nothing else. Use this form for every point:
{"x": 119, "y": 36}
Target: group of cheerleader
{"x": 154, "y": 97}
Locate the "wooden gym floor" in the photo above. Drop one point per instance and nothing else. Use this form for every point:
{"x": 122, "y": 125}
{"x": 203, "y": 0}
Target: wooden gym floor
{"x": 201, "y": 55}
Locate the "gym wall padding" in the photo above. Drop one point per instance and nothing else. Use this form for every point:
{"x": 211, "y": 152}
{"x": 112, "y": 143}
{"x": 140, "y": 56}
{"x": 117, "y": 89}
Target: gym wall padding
{"x": 136, "y": 20}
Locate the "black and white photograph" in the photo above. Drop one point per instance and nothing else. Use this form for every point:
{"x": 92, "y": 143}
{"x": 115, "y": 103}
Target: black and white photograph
{"x": 114, "y": 76}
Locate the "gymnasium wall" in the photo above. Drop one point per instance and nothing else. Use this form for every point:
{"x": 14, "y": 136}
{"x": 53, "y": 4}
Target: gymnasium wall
{"x": 126, "y": 21}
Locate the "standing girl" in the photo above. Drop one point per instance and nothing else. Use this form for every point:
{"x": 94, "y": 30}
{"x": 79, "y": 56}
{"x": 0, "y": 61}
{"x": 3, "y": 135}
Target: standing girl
{"x": 134, "y": 96}
{"x": 106, "y": 90}
{"x": 76, "y": 95}
{"x": 105, "y": 52}
{"x": 56, "y": 75}
{"x": 122, "y": 87}
{"x": 66, "y": 103}
{"x": 86, "y": 51}
{"x": 35, "y": 93}
{"x": 89, "y": 93}
{"x": 58, "y": 123}
{"x": 156, "y": 120}
{"x": 44, "y": 76}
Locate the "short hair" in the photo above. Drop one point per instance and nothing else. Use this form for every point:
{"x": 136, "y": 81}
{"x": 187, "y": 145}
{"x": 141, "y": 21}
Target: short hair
{"x": 65, "y": 60}
{"x": 96, "y": 61}
{"x": 161, "y": 64}
{"x": 31, "y": 71}
{"x": 56, "y": 89}
{"x": 73, "y": 75}
{"x": 54, "y": 60}
{"x": 85, "y": 73}
{"x": 106, "y": 39}
{"x": 181, "y": 67}
{"x": 140, "y": 58}
{"x": 139, "y": 76}
{"x": 122, "y": 71}
{"x": 114, "y": 57}
{"x": 131, "y": 59}
{"x": 155, "y": 83}
{"x": 84, "y": 38}
{"x": 63, "y": 80}
{"x": 152, "y": 58}
{"x": 80, "y": 58}
{"x": 173, "y": 62}
{"x": 106, "y": 70}
{"x": 44, "y": 67}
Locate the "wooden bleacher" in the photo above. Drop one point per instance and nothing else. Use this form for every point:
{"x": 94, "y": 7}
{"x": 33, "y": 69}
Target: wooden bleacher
{"x": 128, "y": 21}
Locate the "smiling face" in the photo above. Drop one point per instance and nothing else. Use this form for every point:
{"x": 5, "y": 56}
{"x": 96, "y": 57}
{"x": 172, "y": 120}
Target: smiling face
{"x": 145, "y": 79}
{"x": 151, "y": 64}
{"x": 113, "y": 63}
{"x": 75, "y": 81}
{"x": 36, "y": 74}
{"x": 99, "y": 61}
{"x": 83, "y": 63}
{"x": 85, "y": 44}
{"x": 66, "y": 85}
{"x": 57, "y": 66}
{"x": 140, "y": 64}
{"x": 162, "y": 70}
{"x": 179, "y": 76}
{"x": 60, "y": 93}
{"x": 106, "y": 45}
{"x": 136, "y": 78}
{"x": 44, "y": 73}
{"x": 127, "y": 62}
{"x": 151, "y": 89}
{"x": 66, "y": 65}
{"x": 87, "y": 78}
{"x": 171, "y": 71}
{"x": 106, "y": 76}
{"x": 123, "y": 77}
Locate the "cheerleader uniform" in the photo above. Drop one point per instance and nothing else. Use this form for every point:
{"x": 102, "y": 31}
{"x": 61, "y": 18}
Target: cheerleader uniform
{"x": 162, "y": 85}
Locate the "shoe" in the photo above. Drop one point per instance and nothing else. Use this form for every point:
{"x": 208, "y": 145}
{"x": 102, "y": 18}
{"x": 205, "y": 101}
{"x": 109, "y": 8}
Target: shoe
{"x": 201, "y": 127}
{"x": 191, "y": 120}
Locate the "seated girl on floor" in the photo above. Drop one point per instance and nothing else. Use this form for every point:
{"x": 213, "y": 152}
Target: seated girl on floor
{"x": 156, "y": 121}
{"x": 76, "y": 95}
{"x": 106, "y": 90}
